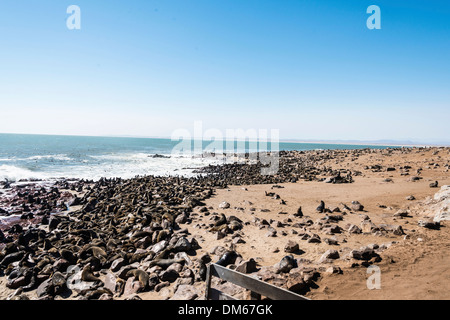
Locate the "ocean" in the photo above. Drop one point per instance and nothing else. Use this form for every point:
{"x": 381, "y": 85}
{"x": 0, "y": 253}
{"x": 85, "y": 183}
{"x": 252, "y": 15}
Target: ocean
{"x": 47, "y": 157}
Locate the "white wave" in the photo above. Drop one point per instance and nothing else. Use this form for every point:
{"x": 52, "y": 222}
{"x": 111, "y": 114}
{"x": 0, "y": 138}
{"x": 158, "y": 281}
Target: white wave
{"x": 60, "y": 157}
{"x": 122, "y": 156}
{"x": 123, "y": 165}
{"x": 129, "y": 166}
{"x": 13, "y": 173}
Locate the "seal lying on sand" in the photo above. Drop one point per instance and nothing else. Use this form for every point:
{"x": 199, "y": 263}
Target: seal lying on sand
{"x": 140, "y": 275}
{"x": 165, "y": 263}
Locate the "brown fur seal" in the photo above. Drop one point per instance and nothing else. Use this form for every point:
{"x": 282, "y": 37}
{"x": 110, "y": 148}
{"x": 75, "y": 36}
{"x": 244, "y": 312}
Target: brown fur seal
{"x": 223, "y": 227}
{"x": 140, "y": 275}
{"x": 165, "y": 263}
{"x": 168, "y": 217}
{"x": 95, "y": 251}
{"x": 162, "y": 235}
{"x": 222, "y": 220}
{"x": 87, "y": 275}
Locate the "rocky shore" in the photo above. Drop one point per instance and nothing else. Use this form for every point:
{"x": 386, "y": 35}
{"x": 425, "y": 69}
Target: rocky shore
{"x": 153, "y": 237}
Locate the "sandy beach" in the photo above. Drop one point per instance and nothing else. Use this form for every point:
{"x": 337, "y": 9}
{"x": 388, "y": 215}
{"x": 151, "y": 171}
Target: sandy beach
{"x": 152, "y": 239}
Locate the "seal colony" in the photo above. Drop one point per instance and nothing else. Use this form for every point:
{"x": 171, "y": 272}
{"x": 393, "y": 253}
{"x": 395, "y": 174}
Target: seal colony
{"x": 123, "y": 238}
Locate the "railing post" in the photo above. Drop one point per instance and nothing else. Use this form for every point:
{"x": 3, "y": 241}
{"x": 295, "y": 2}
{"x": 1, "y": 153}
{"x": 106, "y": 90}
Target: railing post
{"x": 208, "y": 282}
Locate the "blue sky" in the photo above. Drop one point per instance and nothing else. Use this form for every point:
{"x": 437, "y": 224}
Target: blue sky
{"x": 311, "y": 69}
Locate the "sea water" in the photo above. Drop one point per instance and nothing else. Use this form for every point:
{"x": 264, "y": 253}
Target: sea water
{"x": 46, "y": 156}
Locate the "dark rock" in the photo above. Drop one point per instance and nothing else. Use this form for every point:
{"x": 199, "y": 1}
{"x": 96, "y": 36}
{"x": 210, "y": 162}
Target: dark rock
{"x": 53, "y": 223}
{"x": 429, "y": 224}
{"x": 286, "y": 264}
{"x": 169, "y": 275}
{"x": 182, "y": 244}
{"x": 328, "y": 256}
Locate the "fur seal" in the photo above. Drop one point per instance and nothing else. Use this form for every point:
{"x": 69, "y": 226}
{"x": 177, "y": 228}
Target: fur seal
{"x": 222, "y": 220}
{"x": 227, "y": 258}
{"x": 162, "y": 235}
{"x": 88, "y": 275}
{"x": 140, "y": 275}
{"x": 286, "y": 264}
{"x": 168, "y": 217}
{"x": 165, "y": 263}
{"x": 223, "y": 227}
{"x": 321, "y": 207}
{"x": 12, "y": 257}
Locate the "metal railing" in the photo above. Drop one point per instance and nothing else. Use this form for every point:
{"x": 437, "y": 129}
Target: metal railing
{"x": 257, "y": 287}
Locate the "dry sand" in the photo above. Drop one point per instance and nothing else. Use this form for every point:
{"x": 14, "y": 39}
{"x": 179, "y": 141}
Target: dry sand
{"x": 417, "y": 267}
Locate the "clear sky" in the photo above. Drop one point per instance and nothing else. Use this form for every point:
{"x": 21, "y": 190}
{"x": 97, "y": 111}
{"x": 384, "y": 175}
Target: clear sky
{"x": 311, "y": 69}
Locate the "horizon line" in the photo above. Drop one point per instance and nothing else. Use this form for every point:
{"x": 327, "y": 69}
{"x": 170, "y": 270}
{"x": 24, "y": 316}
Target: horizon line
{"x": 377, "y": 142}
